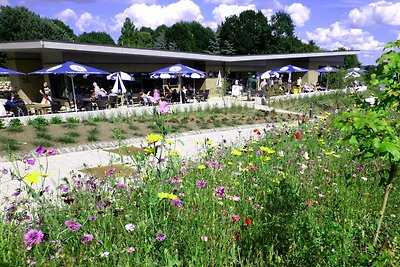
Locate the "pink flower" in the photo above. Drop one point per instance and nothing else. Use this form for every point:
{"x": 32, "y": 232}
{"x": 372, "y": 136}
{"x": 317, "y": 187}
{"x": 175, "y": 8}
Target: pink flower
{"x": 87, "y": 238}
{"x": 235, "y": 198}
{"x": 131, "y": 249}
{"x": 235, "y": 218}
{"x": 30, "y": 162}
{"x": 163, "y": 107}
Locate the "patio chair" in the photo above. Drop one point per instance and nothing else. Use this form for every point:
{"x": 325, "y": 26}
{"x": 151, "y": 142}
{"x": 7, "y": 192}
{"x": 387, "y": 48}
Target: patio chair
{"x": 102, "y": 104}
{"x": 112, "y": 101}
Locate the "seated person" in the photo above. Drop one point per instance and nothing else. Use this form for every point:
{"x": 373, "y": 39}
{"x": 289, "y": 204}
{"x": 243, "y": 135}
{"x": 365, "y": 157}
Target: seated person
{"x": 175, "y": 96}
{"x": 98, "y": 92}
{"x": 20, "y": 103}
{"x": 18, "y": 100}
{"x": 9, "y": 102}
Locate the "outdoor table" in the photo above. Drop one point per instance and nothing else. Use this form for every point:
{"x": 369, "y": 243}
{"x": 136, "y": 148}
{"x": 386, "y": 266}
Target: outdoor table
{"x": 38, "y": 107}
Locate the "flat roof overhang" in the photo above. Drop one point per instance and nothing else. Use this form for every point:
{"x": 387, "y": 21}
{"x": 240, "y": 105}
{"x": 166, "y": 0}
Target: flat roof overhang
{"x": 43, "y": 47}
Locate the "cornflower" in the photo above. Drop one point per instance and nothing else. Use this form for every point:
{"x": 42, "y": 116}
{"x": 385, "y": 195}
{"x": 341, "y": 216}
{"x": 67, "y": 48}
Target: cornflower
{"x": 72, "y": 225}
{"x": 87, "y": 238}
{"x": 33, "y": 236}
{"x": 161, "y": 236}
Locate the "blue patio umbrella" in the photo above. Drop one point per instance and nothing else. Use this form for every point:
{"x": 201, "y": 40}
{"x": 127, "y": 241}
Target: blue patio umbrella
{"x": 289, "y": 69}
{"x": 71, "y": 69}
{"x": 356, "y": 69}
{"x": 327, "y": 69}
{"x": 178, "y": 70}
{"x": 4, "y": 71}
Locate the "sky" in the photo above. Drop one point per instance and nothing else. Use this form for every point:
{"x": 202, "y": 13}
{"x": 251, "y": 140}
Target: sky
{"x": 363, "y": 25}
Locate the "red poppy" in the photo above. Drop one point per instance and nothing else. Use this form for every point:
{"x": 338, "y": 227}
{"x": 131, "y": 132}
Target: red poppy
{"x": 257, "y": 132}
{"x": 236, "y": 237}
{"x": 248, "y": 221}
{"x": 297, "y": 135}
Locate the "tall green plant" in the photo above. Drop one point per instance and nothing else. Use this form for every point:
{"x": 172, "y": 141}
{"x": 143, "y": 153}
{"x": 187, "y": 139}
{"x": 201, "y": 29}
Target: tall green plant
{"x": 375, "y": 129}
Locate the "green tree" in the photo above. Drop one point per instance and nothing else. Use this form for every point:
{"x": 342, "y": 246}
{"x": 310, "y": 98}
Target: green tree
{"x": 132, "y": 37}
{"x": 18, "y": 23}
{"x": 375, "y": 129}
{"x": 66, "y": 28}
{"x": 127, "y": 33}
{"x": 350, "y": 61}
{"x": 96, "y": 38}
{"x": 248, "y": 33}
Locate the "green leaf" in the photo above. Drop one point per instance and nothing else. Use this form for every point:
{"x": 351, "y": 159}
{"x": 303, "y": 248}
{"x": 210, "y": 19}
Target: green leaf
{"x": 393, "y": 149}
{"x": 353, "y": 140}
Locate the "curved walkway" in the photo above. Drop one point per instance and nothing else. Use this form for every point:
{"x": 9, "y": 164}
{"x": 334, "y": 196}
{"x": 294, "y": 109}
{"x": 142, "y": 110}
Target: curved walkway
{"x": 61, "y": 165}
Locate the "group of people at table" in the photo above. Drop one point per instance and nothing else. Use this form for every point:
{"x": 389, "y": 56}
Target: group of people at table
{"x": 297, "y": 88}
{"x": 14, "y": 104}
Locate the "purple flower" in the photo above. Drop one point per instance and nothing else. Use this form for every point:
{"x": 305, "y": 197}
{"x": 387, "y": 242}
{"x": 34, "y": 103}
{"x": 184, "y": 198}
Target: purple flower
{"x": 40, "y": 150}
{"x": 33, "y": 236}
{"x": 72, "y": 225}
{"x": 161, "y": 236}
{"x": 92, "y": 218}
{"x": 87, "y": 238}
{"x": 30, "y": 162}
{"x": 220, "y": 192}
{"x": 201, "y": 184}
{"x": 121, "y": 186}
{"x": 163, "y": 107}
{"x": 212, "y": 164}
{"x": 110, "y": 171}
{"x": 176, "y": 202}
{"x": 52, "y": 151}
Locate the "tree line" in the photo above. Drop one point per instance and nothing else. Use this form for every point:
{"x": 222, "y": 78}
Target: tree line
{"x": 248, "y": 33}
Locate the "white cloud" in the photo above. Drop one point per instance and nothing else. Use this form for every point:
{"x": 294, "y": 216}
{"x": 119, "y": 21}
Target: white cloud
{"x": 223, "y": 11}
{"x": 4, "y": 3}
{"x": 66, "y": 14}
{"x": 381, "y": 12}
{"x": 87, "y": 22}
{"x": 229, "y": 2}
{"x": 155, "y": 15}
{"x": 338, "y": 35}
{"x": 268, "y": 13}
{"x": 299, "y": 13}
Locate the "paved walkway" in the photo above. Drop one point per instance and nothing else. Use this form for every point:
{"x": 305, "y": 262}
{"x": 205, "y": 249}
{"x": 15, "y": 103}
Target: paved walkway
{"x": 61, "y": 165}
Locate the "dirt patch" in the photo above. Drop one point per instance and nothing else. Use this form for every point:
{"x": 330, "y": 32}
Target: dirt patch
{"x": 126, "y": 150}
{"x": 115, "y": 170}
{"x": 24, "y": 139}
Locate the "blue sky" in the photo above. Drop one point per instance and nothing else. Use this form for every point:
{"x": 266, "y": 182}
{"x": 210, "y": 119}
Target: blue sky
{"x": 355, "y": 24}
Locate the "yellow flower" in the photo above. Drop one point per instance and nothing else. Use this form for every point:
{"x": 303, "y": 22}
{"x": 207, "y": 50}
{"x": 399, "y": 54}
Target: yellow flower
{"x": 251, "y": 163}
{"x": 169, "y": 141}
{"x": 267, "y": 150}
{"x": 210, "y": 143}
{"x": 154, "y": 138}
{"x": 230, "y": 163}
{"x": 282, "y": 173}
{"x": 201, "y": 167}
{"x": 269, "y": 191}
{"x": 33, "y": 177}
{"x": 321, "y": 141}
{"x": 245, "y": 169}
{"x": 173, "y": 153}
{"x": 276, "y": 181}
{"x": 197, "y": 142}
{"x": 166, "y": 196}
{"x": 149, "y": 150}
{"x": 236, "y": 152}
{"x": 266, "y": 158}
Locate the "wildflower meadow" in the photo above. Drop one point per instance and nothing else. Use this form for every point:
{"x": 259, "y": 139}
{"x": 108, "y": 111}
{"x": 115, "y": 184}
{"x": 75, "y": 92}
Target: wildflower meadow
{"x": 293, "y": 194}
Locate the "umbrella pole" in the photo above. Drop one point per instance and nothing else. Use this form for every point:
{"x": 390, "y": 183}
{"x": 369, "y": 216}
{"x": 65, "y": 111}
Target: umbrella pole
{"x": 73, "y": 92}
{"x": 180, "y": 87}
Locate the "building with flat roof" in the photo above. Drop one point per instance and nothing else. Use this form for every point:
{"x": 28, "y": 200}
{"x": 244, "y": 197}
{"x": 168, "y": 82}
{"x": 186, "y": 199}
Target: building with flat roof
{"x": 29, "y": 56}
